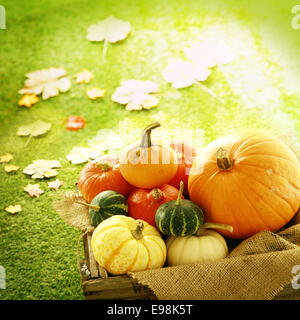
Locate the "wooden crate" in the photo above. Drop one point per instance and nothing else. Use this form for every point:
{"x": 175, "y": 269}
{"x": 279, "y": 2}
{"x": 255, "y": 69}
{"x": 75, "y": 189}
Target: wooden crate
{"x": 98, "y": 285}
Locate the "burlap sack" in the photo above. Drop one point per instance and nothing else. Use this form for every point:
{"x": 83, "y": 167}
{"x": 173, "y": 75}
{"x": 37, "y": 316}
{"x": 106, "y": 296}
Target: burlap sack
{"x": 257, "y": 268}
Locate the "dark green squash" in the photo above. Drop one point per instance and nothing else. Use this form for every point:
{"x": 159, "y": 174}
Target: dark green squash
{"x": 179, "y": 217}
{"x": 106, "y": 204}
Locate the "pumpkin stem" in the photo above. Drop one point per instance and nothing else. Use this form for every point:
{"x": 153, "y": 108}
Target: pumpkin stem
{"x": 223, "y": 160}
{"x": 105, "y": 166}
{"x": 212, "y": 225}
{"x": 179, "y": 200}
{"x": 138, "y": 231}
{"x": 146, "y": 135}
{"x": 157, "y": 194}
{"x": 96, "y": 208}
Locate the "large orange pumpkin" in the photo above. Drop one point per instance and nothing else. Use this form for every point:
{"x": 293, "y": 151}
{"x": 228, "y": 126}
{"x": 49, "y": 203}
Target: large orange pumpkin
{"x": 100, "y": 175}
{"x": 250, "y": 181}
{"x": 148, "y": 165}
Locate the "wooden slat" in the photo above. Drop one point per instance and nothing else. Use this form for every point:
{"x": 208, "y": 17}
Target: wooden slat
{"x": 90, "y": 260}
{"x": 117, "y": 287}
{"x": 124, "y": 287}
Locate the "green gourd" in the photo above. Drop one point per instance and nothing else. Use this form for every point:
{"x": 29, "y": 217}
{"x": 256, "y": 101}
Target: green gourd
{"x": 106, "y": 204}
{"x": 179, "y": 217}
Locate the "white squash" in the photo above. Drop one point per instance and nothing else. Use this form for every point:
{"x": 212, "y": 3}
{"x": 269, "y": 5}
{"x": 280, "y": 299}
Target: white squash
{"x": 206, "y": 245}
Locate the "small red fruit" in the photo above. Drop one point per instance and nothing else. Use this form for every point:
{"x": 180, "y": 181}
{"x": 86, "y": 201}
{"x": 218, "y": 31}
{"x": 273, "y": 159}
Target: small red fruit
{"x": 143, "y": 203}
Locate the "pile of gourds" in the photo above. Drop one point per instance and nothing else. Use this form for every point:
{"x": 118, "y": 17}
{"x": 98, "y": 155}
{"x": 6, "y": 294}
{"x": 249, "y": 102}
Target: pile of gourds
{"x": 238, "y": 184}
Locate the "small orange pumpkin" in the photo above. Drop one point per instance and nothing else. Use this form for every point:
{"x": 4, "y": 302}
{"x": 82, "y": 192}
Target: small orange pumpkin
{"x": 250, "y": 181}
{"x": 100, "y": 175}
{"x": 148, "y": 165}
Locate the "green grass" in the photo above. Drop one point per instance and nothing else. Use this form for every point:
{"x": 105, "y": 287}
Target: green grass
{"x": 259, "y": 89}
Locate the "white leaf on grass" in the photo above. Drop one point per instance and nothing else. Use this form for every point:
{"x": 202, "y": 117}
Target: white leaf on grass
{"x": 136, "y": 94}
{"x": 48, "y": 82}
{"x": 183, "y": 74}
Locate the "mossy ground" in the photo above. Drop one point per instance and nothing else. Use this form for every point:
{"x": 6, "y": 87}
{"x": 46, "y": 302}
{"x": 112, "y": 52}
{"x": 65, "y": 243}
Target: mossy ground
{"x": 259, "y": 89}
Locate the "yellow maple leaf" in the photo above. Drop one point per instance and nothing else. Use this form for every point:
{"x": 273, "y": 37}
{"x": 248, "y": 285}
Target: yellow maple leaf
{"x": 28, "y": 100}
{"x": 11, "y": 168}
{"x": 6, "y": 158}
{"x": 95, "y": 93}
{"x": 85, "y": 76}
{"x": 13, "y": 209}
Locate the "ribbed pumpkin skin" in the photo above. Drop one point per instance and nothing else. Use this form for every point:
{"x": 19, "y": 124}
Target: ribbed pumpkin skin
{"x": 116, "y": 249}
{"x": 179, "y": 220}
{"x": 260, "y": 192}
{"x": 110, "y": 203}
{"x": 93, "y": 179}
{"x": 209, "y": 246}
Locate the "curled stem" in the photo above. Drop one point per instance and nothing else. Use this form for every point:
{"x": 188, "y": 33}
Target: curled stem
{"x": 179, "y": 200}
{"x": 91, "y": 206}
{"x": 146, "y": 135}
{"x": 224, "y": 161}
{"x": 212, "y": 225}
{"x": 138, "y": 231}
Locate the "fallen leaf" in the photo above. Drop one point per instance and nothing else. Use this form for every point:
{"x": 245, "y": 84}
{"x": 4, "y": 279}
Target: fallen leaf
{"x": 11, "y": 168}
{"x": 110, "y": 30}
{"x": 74, "y": 123}
{"x": 209, "y": 53}
{"x": 184, "y": 73}
{"x": 40, "y": 169}
{"x": 33, "y": 190}
{"x": 83, "y": 154}
{"x": 55, "y": 184}
{"x": 136, "y": 94}
{"x": 13, "y": 209}
{"x": 34, "y": 129}
{"x": 48, "y": 82}
{"x": 106, "y": 140}
{"x": 6, "y": 158}
{"x": 95, "y": 93}
{"x": 28, "y": 100}
{"x": 85, "y": 76}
